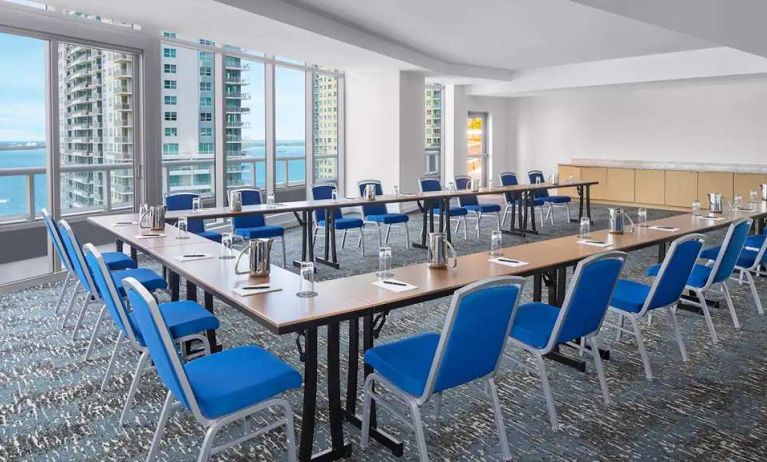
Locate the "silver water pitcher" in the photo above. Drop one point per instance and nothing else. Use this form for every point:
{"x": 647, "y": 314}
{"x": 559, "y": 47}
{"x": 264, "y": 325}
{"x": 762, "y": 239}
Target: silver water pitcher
{"x": 153, "y": 218}
{"x": 370, "y": 192}
{"x": 617, "y": 224}
{"x": 438, "y": 252}
{"x": 763, "y": 187}
{"x": 235, "y": 201}
{"x": 259, "y": 251}
{"x": 716, "y": 202}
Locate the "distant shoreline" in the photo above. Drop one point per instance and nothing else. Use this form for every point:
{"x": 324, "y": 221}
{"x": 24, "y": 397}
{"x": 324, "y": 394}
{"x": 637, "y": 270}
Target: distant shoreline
{"x": 5, "y": 147}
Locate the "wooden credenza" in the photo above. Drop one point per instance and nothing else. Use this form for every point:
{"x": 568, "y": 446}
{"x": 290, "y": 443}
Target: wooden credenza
{"x": 671, "y": 188}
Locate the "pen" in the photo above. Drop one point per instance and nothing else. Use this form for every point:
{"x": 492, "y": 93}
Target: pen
{"x": 595, "y": 242}
{"x": 394, "y": 283}
{"x": 254, "y": 287}
{"x": 508, "y": 260}
{"x": 151, "y": 235}
{"x": 194, "y": 256}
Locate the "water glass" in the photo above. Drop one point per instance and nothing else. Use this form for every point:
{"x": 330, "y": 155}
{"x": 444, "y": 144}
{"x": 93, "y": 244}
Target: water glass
{"x": 226, "y": 246}
{"x": 642, "y": 217}
{"x": 753, "y": 196}
{"x": 384, "y": 263}
{"x": 584, "y": 231}
{"x": 306, "y": 274}
{"x": 496, "y": 243}
{"x": 396, "y": 190}
{"x": 270, "y": 201}
{"x": 696, "y": 207}
{"x": 196, "y": 205}
{"x": 182, "y": 226}
{"x": 450, "y": 186}
{"x": 489, "y": 183}
{"x": 537, "y": 180}
{"x": 737, "y": 202}
{"x": 334, "y": 195}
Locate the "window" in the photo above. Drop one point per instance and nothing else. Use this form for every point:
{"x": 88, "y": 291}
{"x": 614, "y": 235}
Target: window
{"x": 289, "y": 123}
{"x": 169, "y": 84}
{"x": 325, "y": 126}
{"x": 169, "y": 35}
{"x": 206, "y": 117}
{"x": 169, "y": 52}
{"x": 433, "y": 141}
{"x": 476, "y": 145}
{"x": 170, "y": 148}
{"x": 171, "y": 131}
{"x": 170, "y": 100}
{"x": 206, "y": 86}
{"x": 206, "y": 131}
{"x": 206, "y": 71}
{"x": 169, "y": 68}
{"x": 206, "y": 101}
{"x": 171, "y": 115}
{"x": 206, "y": 148}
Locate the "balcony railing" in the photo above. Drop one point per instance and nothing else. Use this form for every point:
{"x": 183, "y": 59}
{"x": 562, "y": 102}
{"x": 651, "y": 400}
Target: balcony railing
{"x": 237, "y": 110}
{"x": 237, "y": 95}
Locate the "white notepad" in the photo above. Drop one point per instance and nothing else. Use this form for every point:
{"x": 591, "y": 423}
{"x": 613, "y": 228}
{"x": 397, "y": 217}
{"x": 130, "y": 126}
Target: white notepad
{"x": 150, "y": 236}
{"x": 246, "y": 292}
{"x": 669, "y": 229}
{"x": 394, "y": 287}
{"x": 192, "y": 257}
{"x": 595, "y": 243}
{"x": 507, "y": 261}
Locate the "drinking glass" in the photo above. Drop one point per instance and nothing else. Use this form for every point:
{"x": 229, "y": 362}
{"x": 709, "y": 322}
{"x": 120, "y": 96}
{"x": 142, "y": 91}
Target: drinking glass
{"x": 450, "y": 186}
{"x": 642, "y": 217}
{"x": 334, "y": 195}
{"x": 570, "y": 178}
{"x": 306, "y": 273}
{"x": 696, "y": 207}
{"x": 182, "y": 226}
{"x": 270, "y": 200}
{"x": 585, "y": 228}
{"x": 490, "y": 183}
{"x": 384, "y": 263}
{"x": 226, "y": 246}
{"x": 196, "y": 205}
{"x": 737, "y": 202}
{"x": 753, "y": 196}
{"x": 537, "y": 180}
{"x": 496, "y": 243}
{"x": 396, "y": 190}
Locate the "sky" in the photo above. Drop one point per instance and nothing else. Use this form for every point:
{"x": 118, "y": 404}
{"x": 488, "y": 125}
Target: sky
{"x": 22, "y": 88}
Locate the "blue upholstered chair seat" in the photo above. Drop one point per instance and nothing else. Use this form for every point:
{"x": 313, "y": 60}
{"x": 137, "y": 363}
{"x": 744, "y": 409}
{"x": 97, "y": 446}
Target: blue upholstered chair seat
{"x": 557, "y": 199}
{"x": 118, "y": 261}
{"x": 698, "y": 278}
{"x": 388, "y": 218}
{"x": 260, "y": 231}
{"x": 534, "y": 323}
{"x": 148, "y": 278}
{"x": 483, "y": 208}
{"x": 405, "y": 363}
{"x": 345, "y": 223}
{"x": 629, "y": 295}
{"x": 183, "y": 318}
{"x": 214, "y": 236}
{"x": 454, "y": 211}
{"x": 238, "y": 378}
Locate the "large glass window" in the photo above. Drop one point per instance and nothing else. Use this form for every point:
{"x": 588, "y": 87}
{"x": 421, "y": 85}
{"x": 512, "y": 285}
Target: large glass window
{"x": 325, "y": 126}
{"x": 290, "y": 131}
{"x": 476, "y": 145}
{"x": 433, "y": 139}
{"x": 188, "y": 130}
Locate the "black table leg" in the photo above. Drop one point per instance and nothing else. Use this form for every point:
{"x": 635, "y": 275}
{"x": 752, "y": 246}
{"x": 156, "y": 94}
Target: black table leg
{"x": 588, "y": 203}
{"x": 445, "y": 211}
{"x": 119, "y": 245}
{"x": 580, "y": 202}
{"x": 561, "y": 285}
{"x": 310, "y": 396}
{"x": 211, "y": 334}
{"x": 425, "y": 219}
{"x": 191, "y": 291}
{"x": 307, "y": 245}
{"x": 174, "y": 281}
{"x": 331, "y": 258}
{"x": 353, "y": 367}
{"x": 338, "y": 449}
{"x": 531, "y": 201}
{"x": 537, "y": 287}
{"x": 133, "y": 253}
{"x": 662, "y": 248}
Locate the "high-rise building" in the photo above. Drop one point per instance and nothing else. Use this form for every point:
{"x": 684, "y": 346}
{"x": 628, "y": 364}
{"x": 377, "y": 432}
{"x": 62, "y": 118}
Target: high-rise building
{"x": 433, "y": 117}
{"x": 325, "y": 126}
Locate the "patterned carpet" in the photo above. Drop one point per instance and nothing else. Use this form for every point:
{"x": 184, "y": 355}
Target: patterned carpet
{"x": 712, "y": 407}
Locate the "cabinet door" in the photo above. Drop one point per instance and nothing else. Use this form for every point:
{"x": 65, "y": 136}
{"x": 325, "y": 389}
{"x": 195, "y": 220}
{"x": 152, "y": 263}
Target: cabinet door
{"x": 714, "y": 182}
{"x": 565, "y": 171}
{"x": 681, "y": 188}
{"x": 650, "y": 187}
{"x": 598, "y": 191}
{"x": 620, "y": 185}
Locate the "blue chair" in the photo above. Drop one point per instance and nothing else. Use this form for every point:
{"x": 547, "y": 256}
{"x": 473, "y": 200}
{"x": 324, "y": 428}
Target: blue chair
{"x": 472, "y": 205}
{"x": 468, "y": 349}
{"x": 752, "y": 257}
{"x": 704, "y": 278}
{"x": 431, "y": 184}
{"x": 514, "y": 199}
{"x": 149, "y": 278}
{"x": 378, "y": 213}
{"x": 187, "y": 321}
{"x": 115, "y": 260}
{"x": 218, "y": 389}
{"x": 324, "y": 192}
{"x": 540, "y": 328}
{"x": 253, "y": 226}
{"x": 183, "y": 201}
{"x": 552, "y": 201}
{"x": 633, "y": 300}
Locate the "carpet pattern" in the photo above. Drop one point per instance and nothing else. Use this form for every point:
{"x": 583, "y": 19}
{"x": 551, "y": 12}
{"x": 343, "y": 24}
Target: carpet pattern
{"x": 711, "y": 407}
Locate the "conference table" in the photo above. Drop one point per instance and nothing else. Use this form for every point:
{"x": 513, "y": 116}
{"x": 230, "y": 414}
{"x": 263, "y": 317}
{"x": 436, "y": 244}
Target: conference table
{"x": 428, "y": 204}
{"x": 355, "y": 298}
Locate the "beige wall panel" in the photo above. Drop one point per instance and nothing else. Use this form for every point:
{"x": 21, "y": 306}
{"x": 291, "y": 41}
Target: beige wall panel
{"x": 681, "y": 188}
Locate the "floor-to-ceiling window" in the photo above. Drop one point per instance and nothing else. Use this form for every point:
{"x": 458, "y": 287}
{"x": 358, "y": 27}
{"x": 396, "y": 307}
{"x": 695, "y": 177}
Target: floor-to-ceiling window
{"x": 433, "y": 133}
{"x": 476, "y": 146}
{"x": 290, "y": 133}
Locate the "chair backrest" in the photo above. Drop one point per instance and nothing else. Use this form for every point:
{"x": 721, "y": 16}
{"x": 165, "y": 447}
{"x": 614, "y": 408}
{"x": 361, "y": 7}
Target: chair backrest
{"x": 250, "y": 196}
{"x": 464, "y": 182}
{"x": 103, "y": 279}
{"x": 55, "y": 234}
{"x": 761, "y": 255}
{"x": 159, "y": 342}
{"x": 183, "y": 201}
{"x": 730, "y": 251}
{"x": 535, "y": 175}
{"x": 509, "y": 179}
{"x": 587, "y": 297}
{"x": 474, "y": 336}
{"x": 76, "y": 257}
{"x": 429, "y": 184}
{"x": 374, "y": 208}
{"x": 674, "y": 272}
{"x": 322, "y": 192}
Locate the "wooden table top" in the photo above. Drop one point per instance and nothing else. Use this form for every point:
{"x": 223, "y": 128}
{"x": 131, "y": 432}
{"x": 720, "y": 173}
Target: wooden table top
{"x": 299, "y": 206}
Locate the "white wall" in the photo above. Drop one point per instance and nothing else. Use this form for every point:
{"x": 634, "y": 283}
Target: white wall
{"x": 713, "y": 121}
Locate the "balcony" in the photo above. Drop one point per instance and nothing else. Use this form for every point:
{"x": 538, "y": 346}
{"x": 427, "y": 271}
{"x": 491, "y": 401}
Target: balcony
{"x": 237, "y": 66}
{"x": 237, "y": 95}
{"x": 122, "y": 90}
{"x": 122, "y": 107}
{"x": 237, "y": 110}
{"x": 236, "y": 124}
{"x": 123, "y": 73}
{"x": 235, "y": 80}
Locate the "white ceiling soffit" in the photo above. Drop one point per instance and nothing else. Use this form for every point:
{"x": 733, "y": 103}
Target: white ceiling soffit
{"x": 734, "y": 23}
{"x": 719, "y": 62}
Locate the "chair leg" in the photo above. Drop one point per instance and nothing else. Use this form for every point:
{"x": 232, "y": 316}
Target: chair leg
{"x": 290, "y": 431}
{"x": 164, "y": 414}
{"x": 498, "y": 221}
{"x": 71, "y": 305}
{"x": 707, "y": 315}
{"x": 479, "y": 220}
{"x": 134, "y": 386}
{"x": 361, "y": 242}
{"x": 730, "y": 305}
{"x": 503, "y": 218}
{"x": 551, "y": 213}
{"x": 437, "y": 405}
{"x": 752, "y": 284}
{"x": 388, "y": 231}
{"x": 367, "y": 398}
{"x": 380, "y": 239}
{"x": 465, "y": 229}
{"x": 207, "y": 443}
{"x": 600, "y": 368}
{"x": 63, "y": 291}
{"x": 95, "y": 333}
{"x": 619, "y": 331}
{"x": 81, "y": 317}
{"x": 284, "y": 253}
{"x": 407, "y": 236}
{"x": 111, "y": 365}
{"x": 677, "y": 332}
{"x": 641, "y": 345}
{"x": 547, "y": 391}
{"x": 420, "y": 438}
{"x": 567, "y": 208}
{"x": 314, "y": 236}
{"x": 505, "y": 451}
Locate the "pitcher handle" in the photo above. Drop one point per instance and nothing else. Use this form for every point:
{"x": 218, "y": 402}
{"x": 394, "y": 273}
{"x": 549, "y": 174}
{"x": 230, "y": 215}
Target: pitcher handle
{"x": 245, "y": 250}
{"x": 455, "y": 255}
{"x": 141, "y": 220}
{"x": 631, "y": 222}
